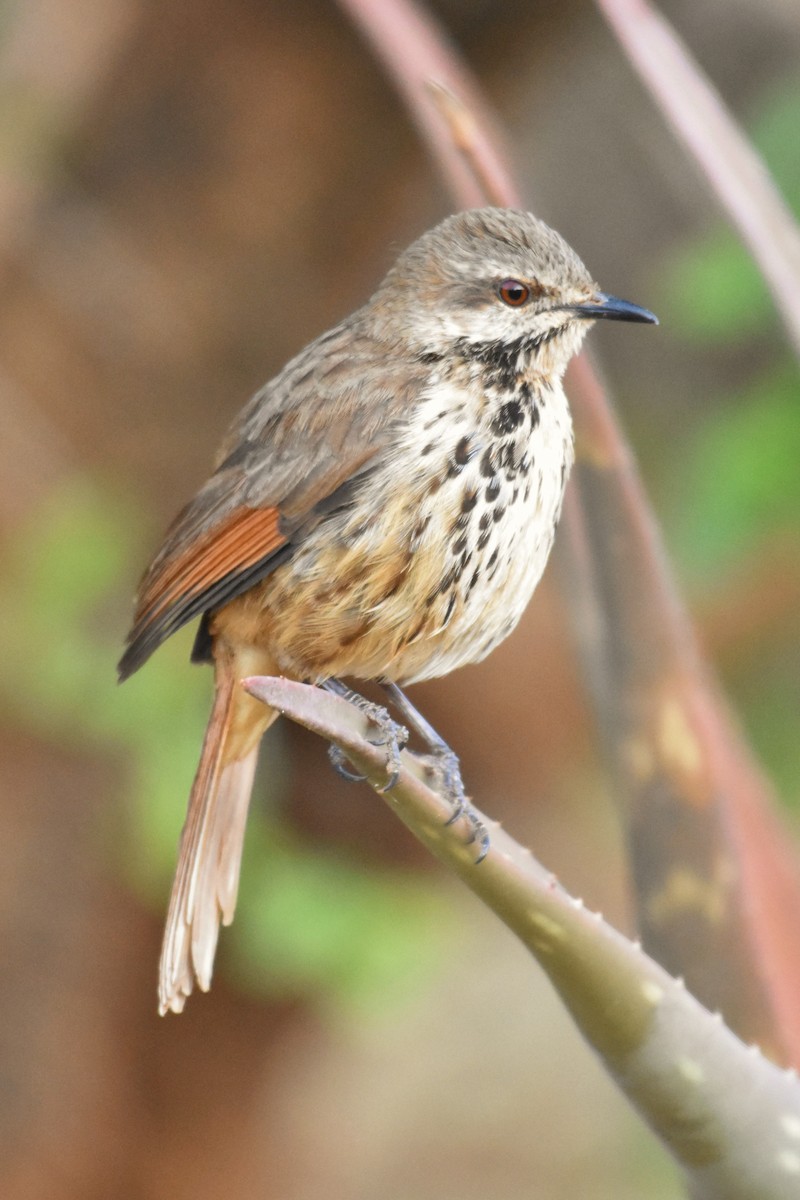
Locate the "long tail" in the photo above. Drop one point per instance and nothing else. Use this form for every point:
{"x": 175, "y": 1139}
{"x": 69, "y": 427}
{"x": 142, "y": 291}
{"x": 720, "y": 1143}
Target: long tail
{"x": 210, "y": 854}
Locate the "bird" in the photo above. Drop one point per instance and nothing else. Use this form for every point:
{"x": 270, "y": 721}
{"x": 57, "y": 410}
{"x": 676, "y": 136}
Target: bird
{"x": 382, "y": 510}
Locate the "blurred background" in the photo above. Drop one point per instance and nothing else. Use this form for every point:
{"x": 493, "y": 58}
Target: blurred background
{"x": 188, "y": 194}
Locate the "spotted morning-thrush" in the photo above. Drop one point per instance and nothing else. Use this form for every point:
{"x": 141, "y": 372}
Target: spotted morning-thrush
{"x": 381, "y": 510}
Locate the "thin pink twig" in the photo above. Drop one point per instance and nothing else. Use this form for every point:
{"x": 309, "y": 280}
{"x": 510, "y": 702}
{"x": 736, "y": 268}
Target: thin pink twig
{"x": 727, "y": 158}
{"x": 418, "y": 57}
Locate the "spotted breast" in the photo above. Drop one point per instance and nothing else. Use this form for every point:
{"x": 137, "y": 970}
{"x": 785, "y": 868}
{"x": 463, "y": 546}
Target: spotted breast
{"x": 463, "y": 511}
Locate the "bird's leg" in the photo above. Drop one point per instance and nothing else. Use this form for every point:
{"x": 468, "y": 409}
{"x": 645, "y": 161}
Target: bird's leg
{"x": 445, "y": 765}
{"x": 392, "y": 735}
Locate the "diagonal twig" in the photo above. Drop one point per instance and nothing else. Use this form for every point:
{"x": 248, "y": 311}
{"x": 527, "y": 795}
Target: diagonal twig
{"x": 730, "y": 1118}
{"x": 418, "y": 57}
{"x": 729, "y": 161}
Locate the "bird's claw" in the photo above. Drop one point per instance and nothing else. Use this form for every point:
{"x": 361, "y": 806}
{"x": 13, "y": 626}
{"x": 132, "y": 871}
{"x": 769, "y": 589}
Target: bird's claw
{"x": 444, "y": 766}
{"x": 390, "y": 734}
{"x": 480, "y": 834}
{"x": 393, "y": 737}
{"x": 442, "y": 763}
{"x": 338, "y": 760}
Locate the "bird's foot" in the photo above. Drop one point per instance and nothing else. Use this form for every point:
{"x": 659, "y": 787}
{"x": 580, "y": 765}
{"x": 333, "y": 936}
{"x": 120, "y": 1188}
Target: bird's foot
{"x": 390, "y": 734}
{"x": 339, "y": 760}
{"x": 444, "y": 768}
{"x": 443, "y": 765}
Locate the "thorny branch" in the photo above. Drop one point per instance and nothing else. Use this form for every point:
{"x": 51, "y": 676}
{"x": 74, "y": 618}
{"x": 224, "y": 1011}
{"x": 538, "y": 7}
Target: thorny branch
{"x": 729, "y": 1117}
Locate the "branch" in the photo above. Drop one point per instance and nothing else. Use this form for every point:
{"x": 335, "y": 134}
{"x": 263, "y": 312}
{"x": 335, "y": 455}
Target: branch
{"x": 729, "y": 161}
{"x": 730, "y": 1118}
{"x": 424, "y": 66}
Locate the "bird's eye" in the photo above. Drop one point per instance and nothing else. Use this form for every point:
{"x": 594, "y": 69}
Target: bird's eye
{"x": 514, "y": 293}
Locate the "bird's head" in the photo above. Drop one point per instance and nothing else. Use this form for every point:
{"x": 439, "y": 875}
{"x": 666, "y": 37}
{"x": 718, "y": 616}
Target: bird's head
{"x": 494, "y": 277}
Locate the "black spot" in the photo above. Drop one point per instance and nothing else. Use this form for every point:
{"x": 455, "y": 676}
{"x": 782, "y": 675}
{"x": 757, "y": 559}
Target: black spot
{"x": 508, "y": 418}
{"x": 417, "y": 532}
{"x": 429, "y": 357}
{"x": 469, "y": 499}
{"x": 476, "y": 574}
{"x": 498, "y": 513}
{"x": 492, "y": 490}
{"x": 426, "y": 449}
{"x": 492, "y": 559}
{"x": 487, "y": 464}
{"x": 412, "y": 637}
{"x": 485, "y": 521}
{"x": 397, "y": 584}
{"x": 461, "y": 454}
{"x": 451, "y": 603}
{"x": 507, "y": 459}
{"x": 459, "y": 545}
{"x": 447, "y": 581}
{"x": 483, "y": 540}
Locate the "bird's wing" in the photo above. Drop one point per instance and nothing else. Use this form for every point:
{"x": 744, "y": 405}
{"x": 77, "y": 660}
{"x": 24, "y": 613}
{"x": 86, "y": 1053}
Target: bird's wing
{"x": 295, "y": 454}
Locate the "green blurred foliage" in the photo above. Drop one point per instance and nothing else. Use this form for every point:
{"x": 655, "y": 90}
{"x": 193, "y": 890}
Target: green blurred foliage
{"x": 712, "y": 290}
{"x": 314, "y": 925}
{"x": 740, "y": 476}
{"x": 735, "y": 484}
{"x": 308, "y": 923}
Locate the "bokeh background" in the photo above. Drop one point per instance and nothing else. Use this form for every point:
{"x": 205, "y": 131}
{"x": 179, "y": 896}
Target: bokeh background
{"x": 188, "y": 193}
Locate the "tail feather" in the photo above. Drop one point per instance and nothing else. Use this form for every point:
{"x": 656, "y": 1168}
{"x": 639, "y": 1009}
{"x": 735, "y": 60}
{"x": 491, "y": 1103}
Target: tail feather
{"x": 218, "y": 874}
{"x": 210, "y": 854}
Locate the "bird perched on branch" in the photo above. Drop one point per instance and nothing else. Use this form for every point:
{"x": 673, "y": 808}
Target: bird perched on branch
{"x": 381, "y": 510}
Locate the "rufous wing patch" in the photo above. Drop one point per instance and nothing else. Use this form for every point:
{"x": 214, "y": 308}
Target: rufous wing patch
{"x": 208, "y": 573}
{"x": 243, "y": 539}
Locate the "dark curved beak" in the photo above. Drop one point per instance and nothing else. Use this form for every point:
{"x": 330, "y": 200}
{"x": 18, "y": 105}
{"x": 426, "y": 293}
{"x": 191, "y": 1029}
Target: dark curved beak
{"x": 611, "y": 308}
